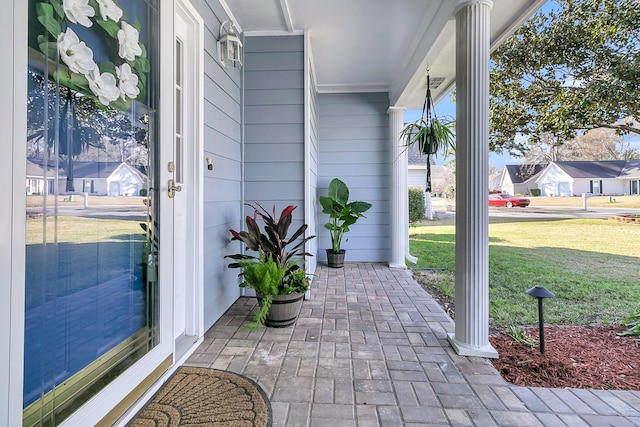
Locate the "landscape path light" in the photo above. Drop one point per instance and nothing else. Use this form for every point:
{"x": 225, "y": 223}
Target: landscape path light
{"x": 541, "y": 293}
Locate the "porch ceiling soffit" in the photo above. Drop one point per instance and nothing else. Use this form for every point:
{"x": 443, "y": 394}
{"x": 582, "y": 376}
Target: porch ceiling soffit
{"x": 377, "y": 45}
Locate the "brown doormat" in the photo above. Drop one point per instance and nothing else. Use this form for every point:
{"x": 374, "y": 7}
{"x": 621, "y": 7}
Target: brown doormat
{"x": 206, "y": 397}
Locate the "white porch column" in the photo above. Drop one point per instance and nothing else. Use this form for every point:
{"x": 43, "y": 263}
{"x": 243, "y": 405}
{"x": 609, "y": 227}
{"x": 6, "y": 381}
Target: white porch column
{"x": 471, "y": 336}
{"x": 399, "y": 193}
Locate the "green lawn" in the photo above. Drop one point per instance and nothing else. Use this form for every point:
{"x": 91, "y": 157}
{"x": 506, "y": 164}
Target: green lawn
{"x": 80, "y": 252}
{"x": 591, "y": 265}
{"x": 626, "y": 202}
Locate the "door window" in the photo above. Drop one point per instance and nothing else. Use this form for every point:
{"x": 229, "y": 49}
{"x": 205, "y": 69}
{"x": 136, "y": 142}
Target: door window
{"x": 91, "y": 302}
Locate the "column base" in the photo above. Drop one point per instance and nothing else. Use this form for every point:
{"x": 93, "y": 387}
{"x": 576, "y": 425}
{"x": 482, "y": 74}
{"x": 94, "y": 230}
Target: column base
{"x": 397, "y": 265}
{"x": 464, "y": 349}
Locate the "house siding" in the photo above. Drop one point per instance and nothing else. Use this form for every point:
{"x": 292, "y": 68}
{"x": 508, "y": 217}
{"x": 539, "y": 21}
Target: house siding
{"x": 314, "y": 141}
{"x": 554, "y": 182}
{"x": 416, "y": 177}
{"x": 551, "y": 182}
{"x": 222, "y": 185}
{"x": 354, "y": 147}
{"x": 631, "y": 186}
{"x": 274, "y": 170}
{"x": 507, "y": 188}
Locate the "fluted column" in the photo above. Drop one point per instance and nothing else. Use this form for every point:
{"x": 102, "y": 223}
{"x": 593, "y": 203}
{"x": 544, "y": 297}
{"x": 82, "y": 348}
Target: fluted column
{"x": 471, "y": 336}
{"x": 399, "y": 203}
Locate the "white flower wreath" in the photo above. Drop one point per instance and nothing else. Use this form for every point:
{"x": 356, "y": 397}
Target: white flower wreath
{"x": 110, "y": 84}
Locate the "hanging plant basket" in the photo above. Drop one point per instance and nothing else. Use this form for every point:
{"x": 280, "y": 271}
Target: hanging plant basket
{"x": 429, "y": 133}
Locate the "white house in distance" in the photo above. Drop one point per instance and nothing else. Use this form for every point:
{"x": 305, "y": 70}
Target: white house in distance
{"x": 94, "y": 178}
{"x": 519, "y": 179}
{"x": 107, "y": 178}
{"x": 41, "y": 179}
{"x": 125, "y": 180}
{"x": 572, "y": 178}
{"x": 318, "y": 91}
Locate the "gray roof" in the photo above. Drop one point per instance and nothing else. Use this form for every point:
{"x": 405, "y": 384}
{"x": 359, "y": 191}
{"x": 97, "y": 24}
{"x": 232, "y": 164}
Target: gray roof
{"x": 80, "y": 169}
{"x": 415, "y": 156}
{"x": 586, "y": 169}
{"x": 631, "y": 169}
{"x": 94, "y": 169}
{"x": 522, "y": 173}
{"x": 35, "y": 168}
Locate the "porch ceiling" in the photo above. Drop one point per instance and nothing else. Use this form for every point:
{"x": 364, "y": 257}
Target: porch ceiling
{"x": 377, "y": 45}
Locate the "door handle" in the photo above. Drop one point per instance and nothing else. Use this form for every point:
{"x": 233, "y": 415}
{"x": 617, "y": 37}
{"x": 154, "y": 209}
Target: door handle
{"x": 172, "y": 188}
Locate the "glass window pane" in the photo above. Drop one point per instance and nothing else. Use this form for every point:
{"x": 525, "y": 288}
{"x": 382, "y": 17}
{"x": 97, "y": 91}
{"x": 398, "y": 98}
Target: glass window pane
{"x": 178, "y": 62}
{"x": 179, "y": 151}
{"x": 178, "y": 111}
{"x": 91, "y": 287}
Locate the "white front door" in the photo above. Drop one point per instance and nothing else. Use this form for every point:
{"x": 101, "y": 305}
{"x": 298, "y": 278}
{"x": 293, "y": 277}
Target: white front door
{"x": 187, "y": 170}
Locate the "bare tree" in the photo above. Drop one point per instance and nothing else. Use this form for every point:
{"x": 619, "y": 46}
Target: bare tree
{"x": 547, "y": 149}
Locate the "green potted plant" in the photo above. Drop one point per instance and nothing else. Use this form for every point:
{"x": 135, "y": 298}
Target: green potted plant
{"x": 342, "y": 214}
{"x": 274, "y": 273}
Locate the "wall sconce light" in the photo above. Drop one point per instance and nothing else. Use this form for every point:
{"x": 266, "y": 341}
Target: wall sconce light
{"x": 229, "y": 46}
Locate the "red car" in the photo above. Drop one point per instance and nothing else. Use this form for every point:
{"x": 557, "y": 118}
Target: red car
{"x": 502, "y": 199}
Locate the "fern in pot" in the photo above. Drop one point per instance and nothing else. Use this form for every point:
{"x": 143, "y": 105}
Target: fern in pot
{"x": 274, "y": 272}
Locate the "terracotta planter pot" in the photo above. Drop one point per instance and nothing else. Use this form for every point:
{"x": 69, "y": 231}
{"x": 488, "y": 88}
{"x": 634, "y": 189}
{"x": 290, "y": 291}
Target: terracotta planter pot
{"x": 335, "y": 259}
{"x": 284, "y": 310}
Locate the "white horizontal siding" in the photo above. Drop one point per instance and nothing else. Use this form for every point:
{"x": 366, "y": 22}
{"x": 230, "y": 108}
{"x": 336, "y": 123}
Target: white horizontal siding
{"x": 417, "y": 178}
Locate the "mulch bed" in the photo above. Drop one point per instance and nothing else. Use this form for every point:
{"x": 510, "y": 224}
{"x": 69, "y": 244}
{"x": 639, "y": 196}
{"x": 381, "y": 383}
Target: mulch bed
{"x": 592, "y": 357}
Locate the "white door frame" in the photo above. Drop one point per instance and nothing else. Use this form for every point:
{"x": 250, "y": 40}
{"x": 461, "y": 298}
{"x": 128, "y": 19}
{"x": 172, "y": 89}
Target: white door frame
{"x": 193, "y": 161}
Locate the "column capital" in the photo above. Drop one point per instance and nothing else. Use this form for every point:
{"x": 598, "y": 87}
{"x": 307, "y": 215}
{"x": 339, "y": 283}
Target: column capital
{"x": 392, "y": 110}
{"x": 464, "y": 3}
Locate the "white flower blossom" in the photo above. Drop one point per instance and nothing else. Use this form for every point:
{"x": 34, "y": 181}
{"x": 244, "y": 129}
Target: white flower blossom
{"x": 76, "y": 54}
{"x": 103, "y": 86}
{"x": 128, "y": 82}
{"x": 128, "y": 40}
{"x": 78, "y": 11}
{"x": 109, "y": 9}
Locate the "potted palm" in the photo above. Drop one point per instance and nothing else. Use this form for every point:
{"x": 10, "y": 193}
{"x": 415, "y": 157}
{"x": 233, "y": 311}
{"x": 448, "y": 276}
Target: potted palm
{"x": 274, "y": 272}
{"x": 342, "y": 214}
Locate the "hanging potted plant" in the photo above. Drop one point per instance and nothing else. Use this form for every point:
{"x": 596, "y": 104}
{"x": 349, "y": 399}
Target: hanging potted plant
{"x": 274, "y": 273}
{"x": 430, "y": 134}
{"x": 342, "y": 214}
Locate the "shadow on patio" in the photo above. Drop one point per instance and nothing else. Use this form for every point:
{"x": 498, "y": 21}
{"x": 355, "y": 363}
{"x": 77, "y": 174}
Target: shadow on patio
{"x": 370, "y": 349}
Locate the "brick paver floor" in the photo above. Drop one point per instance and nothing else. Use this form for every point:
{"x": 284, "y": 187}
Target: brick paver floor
{"x": 370, "y": 349}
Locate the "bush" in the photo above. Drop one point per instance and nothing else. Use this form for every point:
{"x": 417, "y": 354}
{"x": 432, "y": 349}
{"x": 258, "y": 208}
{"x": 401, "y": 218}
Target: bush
{"x": 534, "y": 191}
{"x": 450, "y": 191}
{"x": 416, "y": 204}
